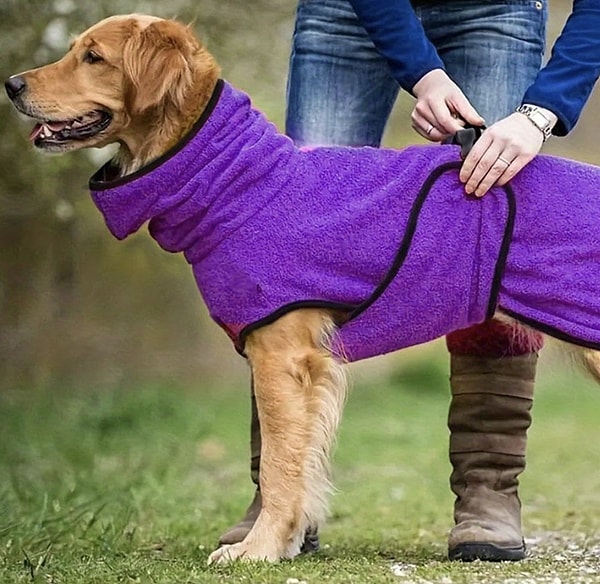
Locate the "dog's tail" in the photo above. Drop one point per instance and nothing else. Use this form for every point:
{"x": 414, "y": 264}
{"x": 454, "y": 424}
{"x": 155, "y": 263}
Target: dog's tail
{"x": 590, "y": 358}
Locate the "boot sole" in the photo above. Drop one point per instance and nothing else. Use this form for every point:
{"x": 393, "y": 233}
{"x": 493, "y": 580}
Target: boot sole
{"x": 486, "y": 552}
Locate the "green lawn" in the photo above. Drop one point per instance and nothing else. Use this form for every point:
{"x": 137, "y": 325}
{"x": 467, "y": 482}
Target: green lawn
{"x": 136, "y": 486}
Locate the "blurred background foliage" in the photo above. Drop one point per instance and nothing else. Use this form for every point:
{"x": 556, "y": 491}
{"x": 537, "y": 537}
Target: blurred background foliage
{"x": 76, "y": 306}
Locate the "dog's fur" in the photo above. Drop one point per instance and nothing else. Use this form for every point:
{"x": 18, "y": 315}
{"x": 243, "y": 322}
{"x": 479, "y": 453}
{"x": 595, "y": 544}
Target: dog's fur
{"x": 154, "y": 79}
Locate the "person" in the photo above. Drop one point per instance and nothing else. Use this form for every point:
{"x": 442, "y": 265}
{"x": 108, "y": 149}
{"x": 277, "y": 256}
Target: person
{"x": 464, "y": 61}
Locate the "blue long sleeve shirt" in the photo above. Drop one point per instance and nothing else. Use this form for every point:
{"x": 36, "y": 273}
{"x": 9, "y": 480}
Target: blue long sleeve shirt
{"x": 563, "y": 86}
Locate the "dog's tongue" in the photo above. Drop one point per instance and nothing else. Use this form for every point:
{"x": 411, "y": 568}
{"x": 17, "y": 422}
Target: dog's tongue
{"x": 46, "y": 128}
{"x": 35, "y": 132}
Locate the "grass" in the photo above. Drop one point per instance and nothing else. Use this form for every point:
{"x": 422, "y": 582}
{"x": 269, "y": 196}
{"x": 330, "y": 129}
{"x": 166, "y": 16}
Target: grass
{"x": 136, "y": 486}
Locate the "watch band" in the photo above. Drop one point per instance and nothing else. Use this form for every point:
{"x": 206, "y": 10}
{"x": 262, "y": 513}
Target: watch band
{"x": 537, "y": 117}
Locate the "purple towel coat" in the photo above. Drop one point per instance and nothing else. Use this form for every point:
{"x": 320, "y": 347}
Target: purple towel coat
{"x": 387, "y": 236}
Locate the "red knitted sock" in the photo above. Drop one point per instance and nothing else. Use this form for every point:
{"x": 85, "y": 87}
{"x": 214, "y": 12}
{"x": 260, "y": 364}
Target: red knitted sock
{"x": 494, "y": 338}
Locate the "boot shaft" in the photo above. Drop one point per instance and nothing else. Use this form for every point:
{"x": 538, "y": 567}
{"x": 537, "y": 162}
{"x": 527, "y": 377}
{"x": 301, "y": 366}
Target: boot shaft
{"x": 490, "y": 411}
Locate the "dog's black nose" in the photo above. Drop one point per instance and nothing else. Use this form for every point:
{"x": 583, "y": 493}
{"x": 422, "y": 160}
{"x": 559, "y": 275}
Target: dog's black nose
{"x": 15, "y": 85}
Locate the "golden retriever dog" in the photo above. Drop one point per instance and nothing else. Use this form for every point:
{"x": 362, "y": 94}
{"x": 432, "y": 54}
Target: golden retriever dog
{"x": 150, "y": 86}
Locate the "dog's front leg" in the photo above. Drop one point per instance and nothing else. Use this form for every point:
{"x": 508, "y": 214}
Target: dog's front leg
{"x": 300, "y": 390}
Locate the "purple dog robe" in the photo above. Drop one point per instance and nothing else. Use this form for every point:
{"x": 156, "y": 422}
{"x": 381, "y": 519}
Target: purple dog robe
{"x": 386, "y": 236}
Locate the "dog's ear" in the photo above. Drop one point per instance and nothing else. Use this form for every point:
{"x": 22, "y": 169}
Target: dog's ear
{"x": 156, "y": 63}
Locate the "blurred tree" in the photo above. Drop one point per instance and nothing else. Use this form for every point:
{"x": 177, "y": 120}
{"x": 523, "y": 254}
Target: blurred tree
{"x": 58, "y": 264}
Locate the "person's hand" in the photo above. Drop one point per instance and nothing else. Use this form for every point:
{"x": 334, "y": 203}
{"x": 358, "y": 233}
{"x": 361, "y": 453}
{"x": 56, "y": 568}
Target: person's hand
{"x": 501, "y": 152}
{"x": 442, "y": 108}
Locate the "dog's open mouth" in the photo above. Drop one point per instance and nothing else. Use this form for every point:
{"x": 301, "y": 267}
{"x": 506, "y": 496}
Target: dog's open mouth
{"x": 47, "y": 133}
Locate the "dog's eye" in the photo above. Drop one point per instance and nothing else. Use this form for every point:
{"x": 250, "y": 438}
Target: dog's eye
{"x": 91, "y": 57}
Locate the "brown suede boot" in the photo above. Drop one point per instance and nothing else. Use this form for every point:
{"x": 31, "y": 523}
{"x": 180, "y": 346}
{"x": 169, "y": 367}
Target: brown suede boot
{"x": 239, "y": 531}
{"x": 488, "y": 420}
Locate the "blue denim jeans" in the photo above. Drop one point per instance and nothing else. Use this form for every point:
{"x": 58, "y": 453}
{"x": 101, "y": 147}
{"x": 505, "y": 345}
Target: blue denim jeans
{"x": 340, "y": 90}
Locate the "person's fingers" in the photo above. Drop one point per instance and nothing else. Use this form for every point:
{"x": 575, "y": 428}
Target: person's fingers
{"x": 515, "y": 167}
{"x": 472, "y": 159}
{"x": 445, "y": 120}
{"x": 429, "y": 132}
{"x": 463, "y": 108}
{"x": 424, "y": 123}
{"x": 496, "y": 172}
{"x": 489, "y": 162}
{"x": 433, "y": 120}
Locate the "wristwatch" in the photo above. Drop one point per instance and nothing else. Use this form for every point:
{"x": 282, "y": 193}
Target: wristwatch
{"x": 538, "y": 118}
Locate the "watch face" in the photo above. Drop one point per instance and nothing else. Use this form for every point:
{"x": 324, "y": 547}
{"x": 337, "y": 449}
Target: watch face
{"x": 539, "y": 119}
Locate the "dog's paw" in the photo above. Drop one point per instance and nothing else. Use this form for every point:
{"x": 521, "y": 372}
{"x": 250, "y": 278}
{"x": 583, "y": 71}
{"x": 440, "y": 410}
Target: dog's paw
{"x": 241, "y": 551}
{"x": 222, "y": 555}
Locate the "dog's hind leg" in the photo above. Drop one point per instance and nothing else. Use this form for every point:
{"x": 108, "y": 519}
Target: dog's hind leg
{"x": 300, "y": 391}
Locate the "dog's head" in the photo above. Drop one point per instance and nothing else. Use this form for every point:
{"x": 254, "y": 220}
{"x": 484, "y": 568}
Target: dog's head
{"x": 117, "y": 80}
